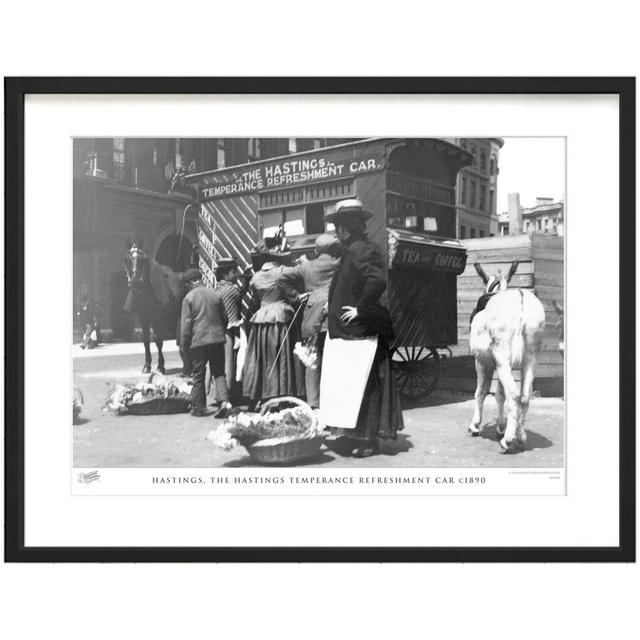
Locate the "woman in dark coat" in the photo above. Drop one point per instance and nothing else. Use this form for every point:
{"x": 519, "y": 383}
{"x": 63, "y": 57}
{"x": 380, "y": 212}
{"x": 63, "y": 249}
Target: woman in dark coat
{"x": 358, "y": 391}
{"x": 267, "y": 374}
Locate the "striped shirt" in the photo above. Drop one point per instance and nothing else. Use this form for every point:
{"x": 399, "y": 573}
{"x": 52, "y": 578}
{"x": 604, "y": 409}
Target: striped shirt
{"x": 232, "y": 298}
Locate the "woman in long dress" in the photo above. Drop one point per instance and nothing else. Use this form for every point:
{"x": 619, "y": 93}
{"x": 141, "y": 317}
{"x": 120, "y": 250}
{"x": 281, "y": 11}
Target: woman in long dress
{"x": 270, "y": 368}
{"x": 359, "y": 397}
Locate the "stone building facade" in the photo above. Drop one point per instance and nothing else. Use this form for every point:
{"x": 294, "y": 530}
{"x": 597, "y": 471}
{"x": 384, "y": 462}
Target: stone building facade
{"x": 545, "y": 217}
{"x": 125, "y": 189}
{"x": 476, "y": 190}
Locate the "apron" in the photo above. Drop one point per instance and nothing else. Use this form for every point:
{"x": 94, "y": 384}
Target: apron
{"x": 346, "y": 365}
{"x": 241, "y": 347}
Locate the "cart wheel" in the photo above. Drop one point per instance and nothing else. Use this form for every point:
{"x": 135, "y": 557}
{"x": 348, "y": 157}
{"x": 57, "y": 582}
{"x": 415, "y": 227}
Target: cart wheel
{"x": 417, "y": 371}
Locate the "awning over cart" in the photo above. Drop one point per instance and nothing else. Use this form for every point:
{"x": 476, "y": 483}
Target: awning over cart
{"x": 407, "y": 249}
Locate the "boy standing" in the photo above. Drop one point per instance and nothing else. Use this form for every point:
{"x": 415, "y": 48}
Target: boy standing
{"x": 203, "y": 326}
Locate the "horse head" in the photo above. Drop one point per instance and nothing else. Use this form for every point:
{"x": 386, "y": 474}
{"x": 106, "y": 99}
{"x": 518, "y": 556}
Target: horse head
{"x": 136, "y": 265}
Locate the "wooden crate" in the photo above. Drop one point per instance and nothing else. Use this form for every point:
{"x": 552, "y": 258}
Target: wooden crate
{"x": 541, "y": 269}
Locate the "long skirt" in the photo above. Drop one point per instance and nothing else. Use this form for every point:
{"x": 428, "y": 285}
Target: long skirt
{"x": 380, "y": 414}
{"x": 262, "y": 380}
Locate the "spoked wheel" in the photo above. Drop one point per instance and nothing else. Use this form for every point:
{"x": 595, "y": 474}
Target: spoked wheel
{"x": 417, "y": 371}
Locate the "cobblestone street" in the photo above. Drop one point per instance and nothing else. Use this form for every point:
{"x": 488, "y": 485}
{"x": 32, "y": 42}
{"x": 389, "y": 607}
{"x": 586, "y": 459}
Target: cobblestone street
{"x": 434, "y": 434}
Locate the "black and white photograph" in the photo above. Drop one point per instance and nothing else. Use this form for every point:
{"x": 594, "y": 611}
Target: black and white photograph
{"x": 384, "y": 334}
{"x": 319, "y": 302}
{"x": 320, "y": 319}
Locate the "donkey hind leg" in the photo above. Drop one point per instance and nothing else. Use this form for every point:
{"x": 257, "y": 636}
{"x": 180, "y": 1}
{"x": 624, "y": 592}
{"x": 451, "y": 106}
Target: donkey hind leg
{"x": 512, "y": 398}
{"x": 528, "y": 375}
{"x": 146, "y": 339}
{"x": 484, "y": 373}
{"x": 501, "y": 424}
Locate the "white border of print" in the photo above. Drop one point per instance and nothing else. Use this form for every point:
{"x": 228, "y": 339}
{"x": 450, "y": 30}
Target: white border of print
{"x": 587, "y": 516}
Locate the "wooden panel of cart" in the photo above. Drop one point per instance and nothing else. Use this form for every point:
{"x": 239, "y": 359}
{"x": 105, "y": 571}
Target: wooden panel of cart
{"x": 409, "y": 186}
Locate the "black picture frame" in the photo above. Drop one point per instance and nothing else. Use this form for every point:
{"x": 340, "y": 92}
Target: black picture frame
{"x": 15, "y": 91}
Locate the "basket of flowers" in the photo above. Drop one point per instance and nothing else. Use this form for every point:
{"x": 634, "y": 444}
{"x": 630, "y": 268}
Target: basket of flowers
{"x": 286, "y": 430}
{"x": 157, "y": 396}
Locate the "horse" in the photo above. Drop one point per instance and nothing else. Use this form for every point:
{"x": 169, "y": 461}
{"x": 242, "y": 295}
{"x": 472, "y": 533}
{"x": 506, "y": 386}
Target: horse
{"x": 506, "y": 332}
{"x": 155, "y": 292}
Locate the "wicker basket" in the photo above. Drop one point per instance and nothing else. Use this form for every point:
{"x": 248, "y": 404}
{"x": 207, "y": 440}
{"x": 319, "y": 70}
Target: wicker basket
{"x": 156, "y": 406}
{"x": 289, "y": 448}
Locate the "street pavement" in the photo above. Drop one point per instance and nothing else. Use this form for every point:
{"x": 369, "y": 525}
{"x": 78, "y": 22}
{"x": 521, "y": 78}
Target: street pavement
{"x": 435, "y": 433}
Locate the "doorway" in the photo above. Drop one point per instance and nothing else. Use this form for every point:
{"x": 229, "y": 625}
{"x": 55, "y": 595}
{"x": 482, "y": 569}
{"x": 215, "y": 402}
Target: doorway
{"x": 171, "y": 253}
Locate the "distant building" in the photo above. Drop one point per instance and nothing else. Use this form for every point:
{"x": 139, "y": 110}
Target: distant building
{"x": 545, "y": 217}
{"x": 127, "y": 189}
{"x": 476, "y": 190}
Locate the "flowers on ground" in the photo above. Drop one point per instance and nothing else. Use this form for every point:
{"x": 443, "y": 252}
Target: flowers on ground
{"x": 247, "y": 428}
{"x": 122, "y": 396}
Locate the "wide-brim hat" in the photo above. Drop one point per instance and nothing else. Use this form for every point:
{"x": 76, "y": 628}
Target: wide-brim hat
{"x": 352, "y": 207}
{"x": 226, "y": 263}
{"x": 261, "y": 255}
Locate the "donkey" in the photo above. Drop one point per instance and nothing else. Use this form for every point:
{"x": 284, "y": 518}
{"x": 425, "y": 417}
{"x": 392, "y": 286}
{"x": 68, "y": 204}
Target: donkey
{"x": 154, "y": 292}
{"x": 506, "y": 332}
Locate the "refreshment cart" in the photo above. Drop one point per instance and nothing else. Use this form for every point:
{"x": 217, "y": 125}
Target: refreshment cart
{"x": 409, "y": 186}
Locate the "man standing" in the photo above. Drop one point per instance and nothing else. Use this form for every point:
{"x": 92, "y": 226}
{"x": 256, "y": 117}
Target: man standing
{"x": 228, "y": 274}
{"x": 203, "y": 325}
{"x": 310, "y": 280}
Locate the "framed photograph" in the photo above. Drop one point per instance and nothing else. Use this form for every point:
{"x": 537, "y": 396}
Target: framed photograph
{"x": 320, "y": 319}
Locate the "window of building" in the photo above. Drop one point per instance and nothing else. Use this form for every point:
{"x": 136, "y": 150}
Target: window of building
{"x": 472, "y": 232}
{"x": 430, "y": 225}
{"x": 492, "y": 196}
{"x": 315, "y": 218}
{"x": 329, "y": 207}
{"x": 483, "y": 194}
{"x": 155, "y": 155}
{"x": 298, "y": 220}
{"x": 473, "y": 195}
{"x": 539, "y": 225}
{"x": 292, "y": 219}
{"x": 221, "y": 158}
{"x": 318, "y": 143}
{"x": 463, "y": 231}
{"x": 178, "y": 153}
{"x": 118, "y": 159}
{"x": 483, "y": 161}
{"x": 463, "y": 191}
{"x": 492, "y": 167}
{"x": 253, "y": 149}
{"x": 293, "y": 145}
{"x": 482, "y": 233}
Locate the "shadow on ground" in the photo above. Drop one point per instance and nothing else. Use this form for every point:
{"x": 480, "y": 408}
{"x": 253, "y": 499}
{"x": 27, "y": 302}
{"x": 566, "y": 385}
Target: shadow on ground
{"x": 393, "y": 447}
{"x": 436, "y": 399}
{"x": 534, "y": 440}
{"x": 247, "y": 461}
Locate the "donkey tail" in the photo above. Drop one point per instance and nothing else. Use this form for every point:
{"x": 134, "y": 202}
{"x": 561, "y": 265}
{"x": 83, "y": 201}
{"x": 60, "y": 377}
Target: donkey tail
{"x": 517, "y": 339}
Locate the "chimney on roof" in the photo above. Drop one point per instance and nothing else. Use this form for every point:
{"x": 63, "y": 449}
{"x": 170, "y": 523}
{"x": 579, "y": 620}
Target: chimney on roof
{"x": 515, "y": 214}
